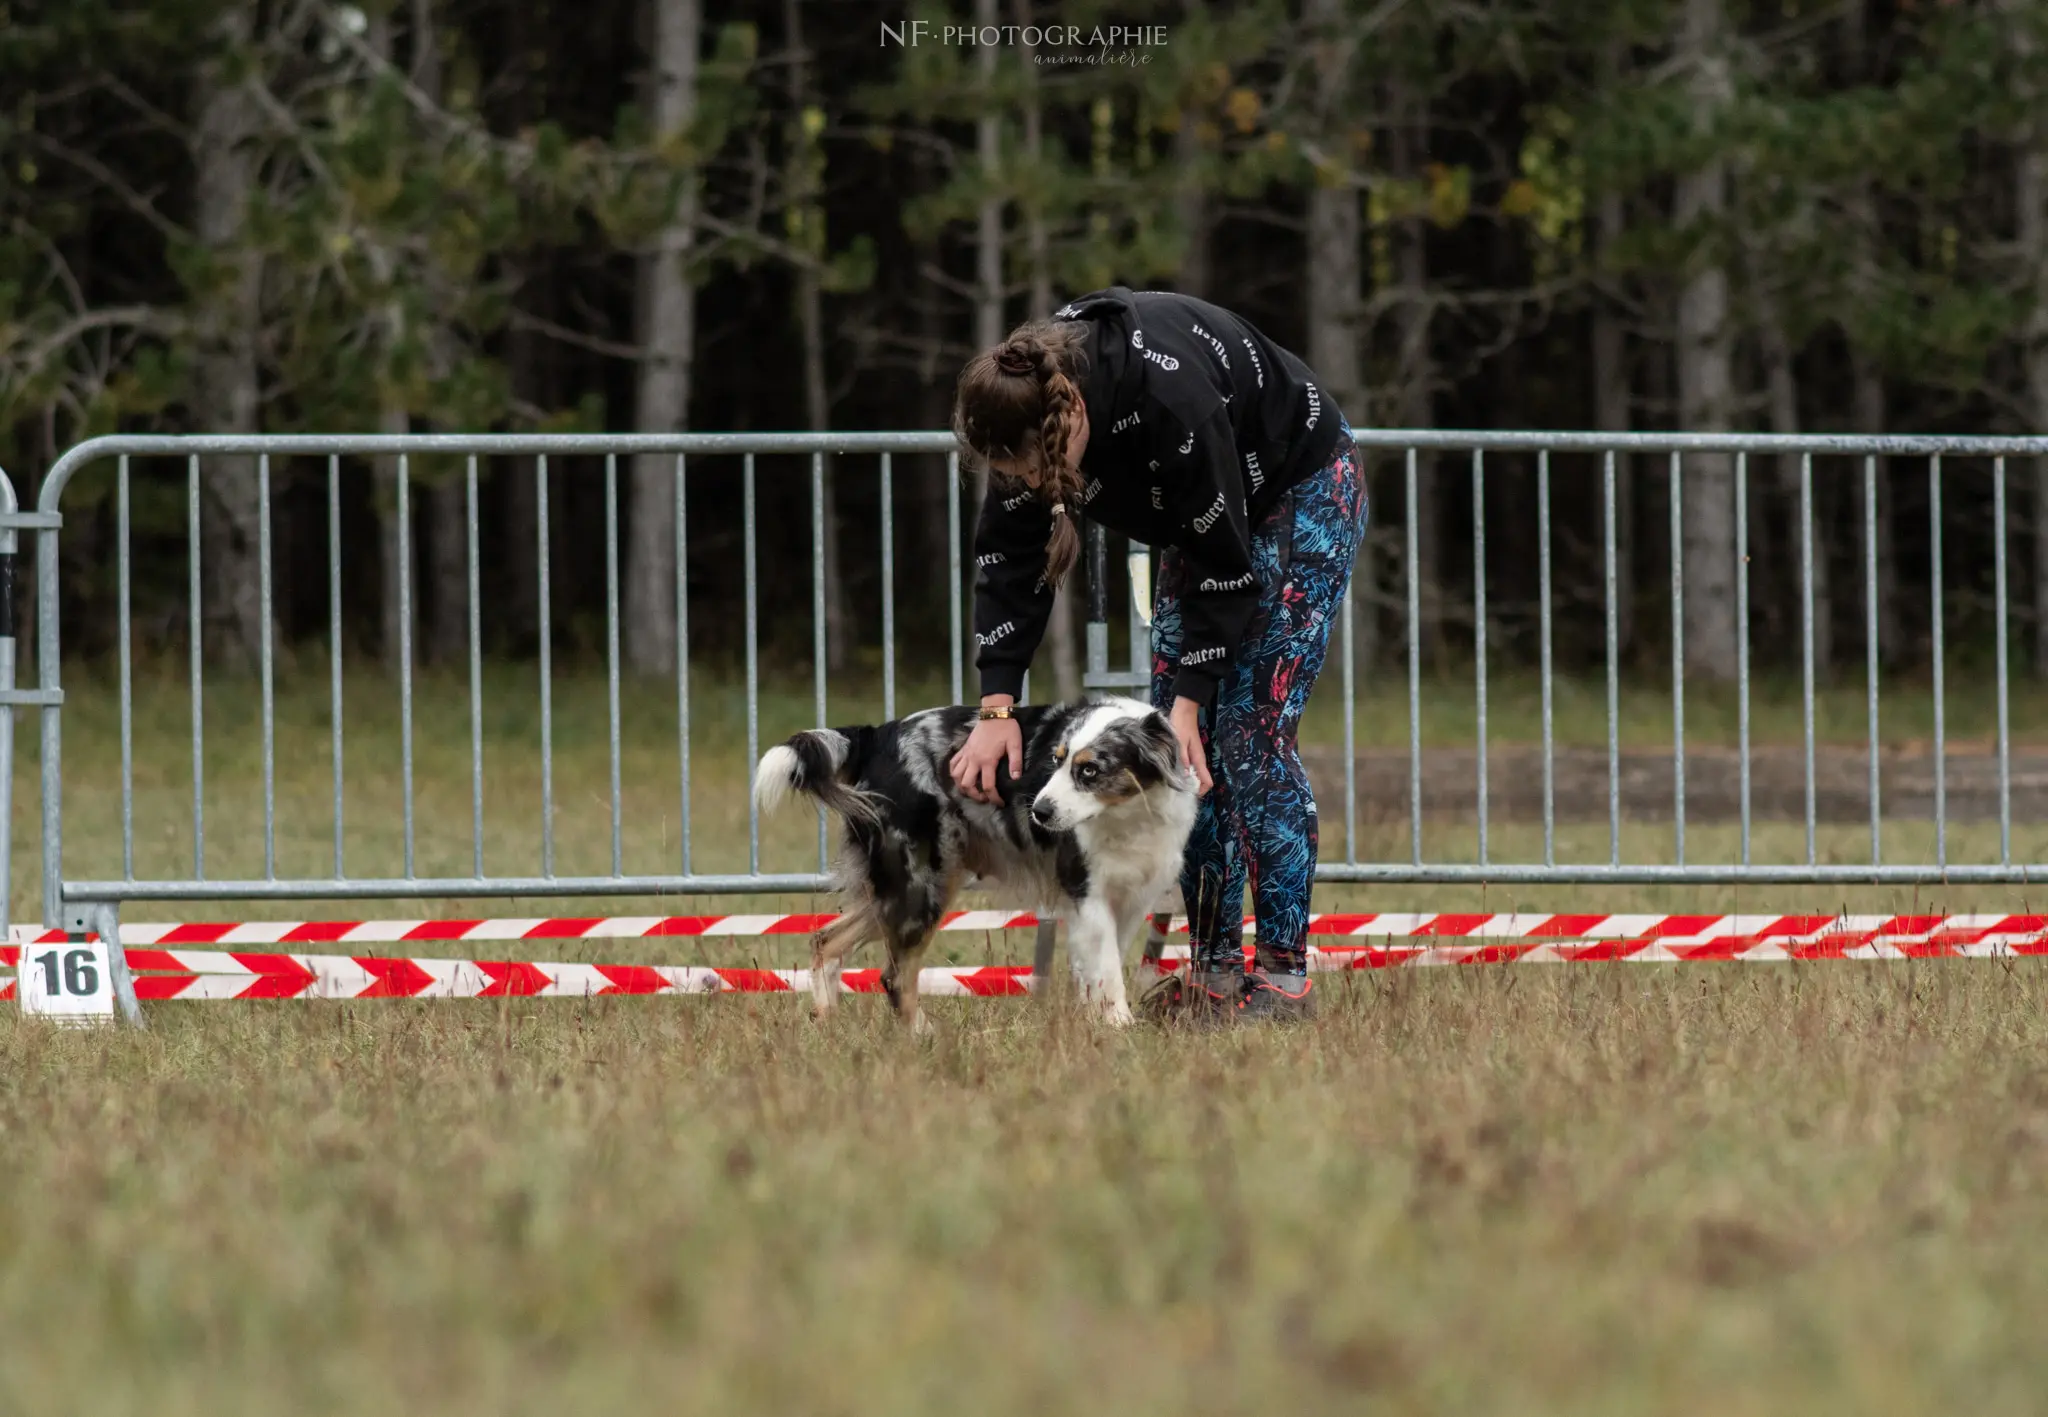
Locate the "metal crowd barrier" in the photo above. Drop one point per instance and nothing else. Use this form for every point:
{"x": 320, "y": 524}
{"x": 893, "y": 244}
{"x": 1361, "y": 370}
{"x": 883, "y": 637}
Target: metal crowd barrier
{"x": 74, "y": 902}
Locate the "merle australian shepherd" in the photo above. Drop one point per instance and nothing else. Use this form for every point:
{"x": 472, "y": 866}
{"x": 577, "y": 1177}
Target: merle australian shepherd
{"x": 1092, "y": 832}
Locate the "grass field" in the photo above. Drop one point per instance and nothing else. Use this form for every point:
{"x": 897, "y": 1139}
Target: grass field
{"x": 1709, "y": 1189}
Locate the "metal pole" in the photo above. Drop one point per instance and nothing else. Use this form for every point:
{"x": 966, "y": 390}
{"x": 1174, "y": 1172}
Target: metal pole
{"x": 1543, "y": 632}
{"x": 1940, "y": 696}
{"x": 2004, "y": 682}
{"x": 1677, "y": 658}
{"x": 611, "y": 650}
{"x": 1613, "y": 667}
{"x": 1742, "y": 639}
{"x": 476, "y": 676}
{"x": 334, "y": 645}
{"x": 754, "y": 665}
{"x": 127, "y": 686}
{"x": 1870, "y": 650}
{"x": 1806, "y": 635}
{"x": 1479, "y": 627}
{"x": 1414, "y": 677}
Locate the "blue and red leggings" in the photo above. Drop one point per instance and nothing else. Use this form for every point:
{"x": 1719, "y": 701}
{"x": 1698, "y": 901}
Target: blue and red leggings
{"x": 1258, "y": 825}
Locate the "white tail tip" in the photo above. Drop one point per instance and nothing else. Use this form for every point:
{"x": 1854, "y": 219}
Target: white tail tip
{"x": 775, "y": 778}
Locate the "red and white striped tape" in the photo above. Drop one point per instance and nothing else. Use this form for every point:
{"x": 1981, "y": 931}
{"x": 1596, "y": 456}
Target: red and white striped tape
{"x": 175, "y": 973}
{"x": 1738, "y": 932}
{"x": 212, "y": 974}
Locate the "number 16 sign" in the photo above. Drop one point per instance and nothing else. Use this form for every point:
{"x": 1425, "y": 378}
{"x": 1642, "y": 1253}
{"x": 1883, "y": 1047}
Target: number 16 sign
{"x": 67, "y": 982}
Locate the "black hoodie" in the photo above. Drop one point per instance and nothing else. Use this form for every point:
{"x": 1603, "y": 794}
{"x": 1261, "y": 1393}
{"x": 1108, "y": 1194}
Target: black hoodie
{"x": 1198, "y": 424}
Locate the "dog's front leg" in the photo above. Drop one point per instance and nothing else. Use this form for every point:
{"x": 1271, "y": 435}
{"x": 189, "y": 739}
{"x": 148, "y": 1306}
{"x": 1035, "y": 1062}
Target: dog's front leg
{"x": 1096, "y": 954}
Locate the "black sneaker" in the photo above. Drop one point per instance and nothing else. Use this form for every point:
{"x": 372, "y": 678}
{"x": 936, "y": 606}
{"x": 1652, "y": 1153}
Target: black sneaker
{"x": 1195, "y": 998}
{"x": 1277, "y": 998}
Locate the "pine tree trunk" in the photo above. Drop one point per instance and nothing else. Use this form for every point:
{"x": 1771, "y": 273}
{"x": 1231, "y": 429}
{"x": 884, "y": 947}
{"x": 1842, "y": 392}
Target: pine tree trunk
{"x": 1782, "y": 393}
{"x": 1414, "y": 369}
{"x": 1066, "y": 658}
{"x": 1335, "y": 276}
{"x": 810, "y": 313}
{"x": 1868, "y": 404}
{"x": 1870, "y": 415}
{"x": 444, "y": 499}
{"x": 227, "y": 387}
{"x": 2031, "y": 199}
{"x": 1703, "y": 368}
{"x": 389, "y": 642}
{"x": 988, "y": 253}
{"x": 447, "y": 500}
{"x": 667, "y": 325}
{"x": 1191, "y": 201}
{"x": 935, "y": 471}
{"x": 517, "y": 591}
{"x": 1612, "y": 401}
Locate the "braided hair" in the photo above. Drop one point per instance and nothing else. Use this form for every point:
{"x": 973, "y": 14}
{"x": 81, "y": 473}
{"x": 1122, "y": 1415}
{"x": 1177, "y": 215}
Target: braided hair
{"x": 1012, "y": 404}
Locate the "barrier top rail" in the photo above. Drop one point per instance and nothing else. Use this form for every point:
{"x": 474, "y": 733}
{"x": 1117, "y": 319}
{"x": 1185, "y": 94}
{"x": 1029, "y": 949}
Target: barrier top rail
{"x": 479, "y": 444}
{"x": 941, "y": 441}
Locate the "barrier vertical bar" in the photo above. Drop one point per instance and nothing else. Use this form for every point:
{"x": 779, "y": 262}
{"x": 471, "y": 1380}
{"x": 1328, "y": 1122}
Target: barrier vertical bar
{"x": 103, "y": 918}
{"x": 127, "y": 675}
{"x": 953, "y": 568}
{"x": 1742, "y": 640}
{"x": 1613, "y": 664}
{"x": 611, "y": 648}
{"x": 546, "y": 615}
{"x": 1870, "y": 649}
{"x": 49, "y": 669}
{"x": 1350, "y": 729}
{"x": 1936, "y": 635}
{"x": 334, "y": 644}
{"x": 195, "y": 645}
{"x": 2004, "y": 682}
{"x": 1414, "y": 677}
{"x": 818, "y": 647}
{"x": 1479, "y": 627}
{"x": 9, "y": 547}
{"x": 683, "y": 654}
{"x": 476, "y": 678}
{"x": 268, "y": 663}
{"x": 1678, "y": 657}
{"x": 405, "y": 648}
{"x": 754, "y": 667}
{"x": 888, "y": 590}
{"x": 1544, "y": 652}
{"x": 1095, "y": 544}
{"x": 1806, "y": 634}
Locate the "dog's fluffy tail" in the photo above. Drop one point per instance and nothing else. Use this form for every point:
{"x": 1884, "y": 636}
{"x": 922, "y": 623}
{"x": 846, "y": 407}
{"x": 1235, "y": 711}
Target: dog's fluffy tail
{"x": 819, "y": 764}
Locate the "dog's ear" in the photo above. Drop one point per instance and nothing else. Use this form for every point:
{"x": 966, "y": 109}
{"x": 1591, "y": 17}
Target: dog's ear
{"x": 1158, "y": 749}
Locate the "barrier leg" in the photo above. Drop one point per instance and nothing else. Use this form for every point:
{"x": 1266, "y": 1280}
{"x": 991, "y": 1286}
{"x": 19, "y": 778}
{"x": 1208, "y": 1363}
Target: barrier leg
{"x": 103, "y": 918}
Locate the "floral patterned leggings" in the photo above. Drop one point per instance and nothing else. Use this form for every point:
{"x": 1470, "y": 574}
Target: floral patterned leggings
{"x": 1258, "y": 825}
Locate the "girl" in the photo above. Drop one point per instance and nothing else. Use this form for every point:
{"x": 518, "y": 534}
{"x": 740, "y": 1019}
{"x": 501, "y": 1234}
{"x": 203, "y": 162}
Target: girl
{"x": 1177, "y": 423}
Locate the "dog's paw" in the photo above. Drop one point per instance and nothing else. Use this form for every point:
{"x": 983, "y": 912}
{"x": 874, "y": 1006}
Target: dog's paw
{"x": 1118, "y": 1015}
{"x": 921, "y": 1025}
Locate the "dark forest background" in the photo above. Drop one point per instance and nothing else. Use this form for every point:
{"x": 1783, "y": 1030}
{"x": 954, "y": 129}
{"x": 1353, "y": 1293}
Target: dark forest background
{"x": 238, "y": 215}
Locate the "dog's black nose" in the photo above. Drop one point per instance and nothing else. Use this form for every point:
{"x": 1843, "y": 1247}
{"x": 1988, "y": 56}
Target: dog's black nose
{"x": 1041, "y": 813}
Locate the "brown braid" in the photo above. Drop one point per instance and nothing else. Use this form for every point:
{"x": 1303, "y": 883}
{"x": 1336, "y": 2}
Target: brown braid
{"x": 1062, "y": 481}
{"x": 1012, "y": 405}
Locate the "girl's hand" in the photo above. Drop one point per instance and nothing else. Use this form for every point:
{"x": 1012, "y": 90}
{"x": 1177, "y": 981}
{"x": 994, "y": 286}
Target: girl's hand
{"x": 992, "y": 741}
{"x": 1187, "y": 727}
